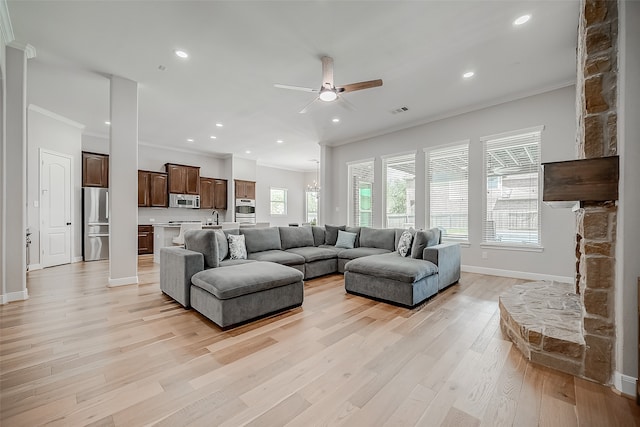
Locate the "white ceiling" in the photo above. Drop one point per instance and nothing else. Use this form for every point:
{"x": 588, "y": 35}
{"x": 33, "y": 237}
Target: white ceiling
{"x": 239, "y": 49}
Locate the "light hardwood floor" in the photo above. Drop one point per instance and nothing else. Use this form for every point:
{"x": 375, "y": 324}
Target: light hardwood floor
{"x": 78, "y": 353}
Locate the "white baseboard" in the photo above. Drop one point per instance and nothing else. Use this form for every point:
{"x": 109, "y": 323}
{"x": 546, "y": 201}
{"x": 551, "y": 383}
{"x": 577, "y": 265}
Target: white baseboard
{"x": 76, "y": 259}
{"x": 33, "y": 267}
{"x": 516, "y": 274}
{"x": 624, "y": 384}
{"x": 123, "y": 281}
{"x": 14, "y": 296}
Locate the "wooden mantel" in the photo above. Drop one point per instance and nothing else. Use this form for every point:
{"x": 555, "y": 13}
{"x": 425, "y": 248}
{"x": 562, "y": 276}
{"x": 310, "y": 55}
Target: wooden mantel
{"x": 587, "y": 180}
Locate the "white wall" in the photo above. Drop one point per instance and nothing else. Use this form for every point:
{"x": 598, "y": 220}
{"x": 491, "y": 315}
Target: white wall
{"x": 628, "y": 246}
{"x": 294, "y": 182}
{"x": 49, "y": 131}
{"x": 555, "y": 110}
{"x": 3, "y": 156}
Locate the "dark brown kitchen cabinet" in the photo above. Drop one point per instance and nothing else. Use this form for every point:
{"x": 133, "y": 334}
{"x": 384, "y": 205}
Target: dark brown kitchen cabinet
{"x": 213, "y": 193}
{"x": 145, "y": 239}
{"x": 152, "y": 189}
{"x": 95, "y": 170}
{"x": 220, "y": 194}
{"x": 245, "y": 189}
{"x": 183, "y": 179}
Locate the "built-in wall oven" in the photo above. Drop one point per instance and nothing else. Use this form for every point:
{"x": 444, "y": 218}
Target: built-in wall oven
{"x": 246, "y": 211}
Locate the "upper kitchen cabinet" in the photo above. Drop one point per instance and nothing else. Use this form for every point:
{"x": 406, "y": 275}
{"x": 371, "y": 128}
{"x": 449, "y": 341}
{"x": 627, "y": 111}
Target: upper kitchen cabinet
{"x": 183, "y": 179}
{"x": 95, "y": 170}
{"x": 152, "y": 189}
{"x": 245, "y": 189}
{"x": 220, "y": 194}
{"x": 213, "y": 193}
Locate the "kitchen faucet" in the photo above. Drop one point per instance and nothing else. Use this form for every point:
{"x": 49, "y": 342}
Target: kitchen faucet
{"x": 215, "y": 216}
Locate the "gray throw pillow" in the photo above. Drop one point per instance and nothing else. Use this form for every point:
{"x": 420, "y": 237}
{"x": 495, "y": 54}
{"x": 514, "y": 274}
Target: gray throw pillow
{"x": 331, "y": 233}
{"x": 423, "y": 239}
{"x": 356, "y": 230}
{"x": 404, "y": 245}
{"x": 223, "y": 245}
{"x": 345, "y": 239}
{"x": 318, "y": 235}
{"x": 237, "y": 248}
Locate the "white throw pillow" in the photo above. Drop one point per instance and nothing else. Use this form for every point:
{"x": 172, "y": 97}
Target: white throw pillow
{"x": 404, "y": 244}
{"x": 345, "y": 239}
{"x": 237, "y": 248}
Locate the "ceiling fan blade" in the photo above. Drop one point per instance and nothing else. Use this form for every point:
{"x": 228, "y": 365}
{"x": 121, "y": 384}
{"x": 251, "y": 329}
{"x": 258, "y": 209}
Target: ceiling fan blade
{"x": 346, "y": 104}
{"x": 306, "y": 107}
{"x": 303, "y": 89}
{"x": 359, "y": 86}
{"x": 327, "y": 72}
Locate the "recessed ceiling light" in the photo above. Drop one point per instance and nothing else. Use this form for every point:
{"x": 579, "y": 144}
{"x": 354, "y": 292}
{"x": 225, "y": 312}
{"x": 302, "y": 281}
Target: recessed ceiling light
{"x": 213, "y": 137}
{"x": 219, "y": 125}
{"x": 189, "y": 139}
{"x": 248, "y": 151}
{"x": 279, "y": 141}
{"x": 107, "y": 122}
{"x": 335, "y": 120}
{"x": 522, "y": 20}
{"x": 181, "y": 54}
{"x": 468, "y": 74}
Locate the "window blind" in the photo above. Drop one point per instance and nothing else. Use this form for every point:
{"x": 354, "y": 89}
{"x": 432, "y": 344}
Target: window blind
{"x": 512, "y": 205}
{"x": 448, "y": 183}
{"x": 400, "y": 191}
{"x": 361, "y": 179}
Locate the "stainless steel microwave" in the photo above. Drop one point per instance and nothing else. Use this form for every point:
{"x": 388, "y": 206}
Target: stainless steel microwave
{"x": 190, "y": 201}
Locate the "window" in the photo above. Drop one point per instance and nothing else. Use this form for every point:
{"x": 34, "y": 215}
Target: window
{"x": 278, "y": 201}
{"x": 512, "y": 172}
{"x": 361, "y": 194}
{"x": 311, "y": 206}
{"x": 448, "y": 186}
{"x": 400, "y": 191}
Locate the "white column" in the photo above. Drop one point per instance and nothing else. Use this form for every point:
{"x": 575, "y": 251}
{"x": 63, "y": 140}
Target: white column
{"x": 421, "y": 190}
{"x": 326, "y": 200}
{"x": 123, "y": 178}
{"x": 14, "y": 221}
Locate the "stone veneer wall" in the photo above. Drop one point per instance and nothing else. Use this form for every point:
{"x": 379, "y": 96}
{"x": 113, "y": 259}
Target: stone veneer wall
{"x": 596, "y": 100}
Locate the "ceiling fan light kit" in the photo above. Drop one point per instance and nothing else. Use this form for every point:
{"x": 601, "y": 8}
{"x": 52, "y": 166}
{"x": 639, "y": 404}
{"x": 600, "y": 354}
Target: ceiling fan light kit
{"x": 328, "y": 91}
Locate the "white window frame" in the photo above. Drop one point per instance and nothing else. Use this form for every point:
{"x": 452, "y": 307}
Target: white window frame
{"x": 385, "y": 159}
{"x": 427, "y": 152}
{"x": 271, "y": 201}
{"x": 350, "y": 201}
{"x": 532, "y": 247}
{"x": 307, "y": 193}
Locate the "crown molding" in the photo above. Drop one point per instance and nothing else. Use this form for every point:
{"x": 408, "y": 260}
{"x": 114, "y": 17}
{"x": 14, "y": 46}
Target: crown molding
{"x": 29, "y": 50}
{"x": 6, "y": 30}
{"x": 285, "y": 168}
{"x": 183, "y": 150}
{"x": 55, "y": 116}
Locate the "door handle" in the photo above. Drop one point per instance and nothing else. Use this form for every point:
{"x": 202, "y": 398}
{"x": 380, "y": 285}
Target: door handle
{"x": 68, "y": 223}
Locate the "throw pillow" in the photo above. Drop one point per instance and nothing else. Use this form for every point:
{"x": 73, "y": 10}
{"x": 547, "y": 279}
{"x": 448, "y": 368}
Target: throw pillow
{"x": 345, "y": 239}
{"x": 404, "y": 245}
{"x": 223, "y": 245}
{"x": 424, "y": 239}
{"x": 237, "y": 248}
{"x": 331, "y": 233}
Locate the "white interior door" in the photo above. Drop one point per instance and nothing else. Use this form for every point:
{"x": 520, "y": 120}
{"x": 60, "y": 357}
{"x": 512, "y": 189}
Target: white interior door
{"x": 55, "y": 209}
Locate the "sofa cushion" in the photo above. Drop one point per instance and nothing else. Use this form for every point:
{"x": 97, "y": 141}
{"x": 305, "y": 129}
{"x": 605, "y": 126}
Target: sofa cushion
{"x": 278, "y": 256}
{"x": 203, "y": 241}
{"x": 227, "y": 262}
{"x": 223, "y": 244}
{"x": 392, "y": 266}
{"x": 296, "y": 237}
{"x": 318, "y": 235}
{"x": 345, "y": 240}
{"x": 331, "y": 233}
{"x": 238, "y": 280}
{"x": 357, "y": 231}
{"x": 261, "y": 239}
{"x": 422, "y": 239}
{"x": 311, "y": 253}
{"x": 381, "y": 238}
{"x": 332, "y": 248}
{"x": 237, "y": 248}
{"x": 360, "y": 252}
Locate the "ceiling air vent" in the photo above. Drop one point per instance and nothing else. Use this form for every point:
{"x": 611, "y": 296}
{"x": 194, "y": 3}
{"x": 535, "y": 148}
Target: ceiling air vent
{"x": 400, "y": 110}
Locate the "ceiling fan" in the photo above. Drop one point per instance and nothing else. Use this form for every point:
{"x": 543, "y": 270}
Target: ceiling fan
{"x": 328, "y": 91}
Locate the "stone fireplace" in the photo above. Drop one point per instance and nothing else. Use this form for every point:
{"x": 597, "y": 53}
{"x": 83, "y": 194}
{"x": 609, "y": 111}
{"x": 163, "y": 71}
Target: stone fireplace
{"x": 570, "y": 327}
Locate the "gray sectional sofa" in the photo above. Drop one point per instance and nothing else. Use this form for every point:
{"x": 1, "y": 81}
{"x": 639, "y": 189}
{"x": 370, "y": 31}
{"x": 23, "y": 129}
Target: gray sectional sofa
{"x": 278, "y": 259}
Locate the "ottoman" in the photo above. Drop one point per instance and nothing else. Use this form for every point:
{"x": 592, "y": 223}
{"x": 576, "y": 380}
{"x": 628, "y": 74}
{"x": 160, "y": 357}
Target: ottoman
{"x": 238, "y": 293}
{"x": 392, "y": 278}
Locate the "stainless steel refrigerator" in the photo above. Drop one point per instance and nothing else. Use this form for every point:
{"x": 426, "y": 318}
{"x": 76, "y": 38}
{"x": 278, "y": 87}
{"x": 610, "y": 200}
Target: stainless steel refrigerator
{"x": 95, "y": 215}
